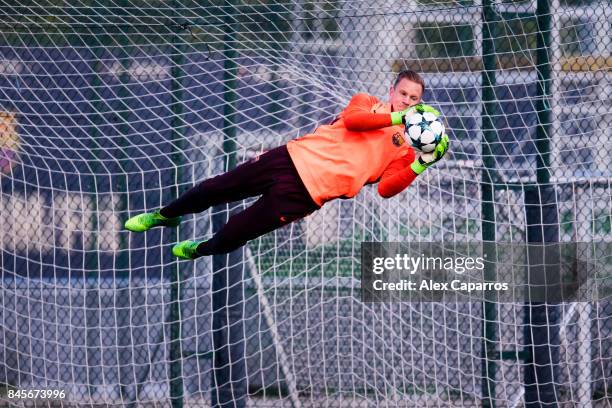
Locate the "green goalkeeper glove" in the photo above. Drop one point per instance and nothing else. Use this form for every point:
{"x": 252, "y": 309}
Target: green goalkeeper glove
{"x": 427, "y": 159}
{"x": 400, "y": 118}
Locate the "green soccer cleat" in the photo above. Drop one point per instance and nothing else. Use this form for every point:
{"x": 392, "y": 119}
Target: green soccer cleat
{"x": 186, "y": 249}
{"x": 146, "y": 221}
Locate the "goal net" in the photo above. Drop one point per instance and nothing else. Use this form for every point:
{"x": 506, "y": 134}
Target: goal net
{"x": 112, "y": 108}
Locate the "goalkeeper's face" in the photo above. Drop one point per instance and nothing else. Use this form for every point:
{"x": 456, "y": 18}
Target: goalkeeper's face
{"x": 405, "y": 94}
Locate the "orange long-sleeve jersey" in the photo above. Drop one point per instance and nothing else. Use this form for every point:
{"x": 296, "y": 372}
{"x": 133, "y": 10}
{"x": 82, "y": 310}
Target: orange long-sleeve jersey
{"x": 360, "y": 147}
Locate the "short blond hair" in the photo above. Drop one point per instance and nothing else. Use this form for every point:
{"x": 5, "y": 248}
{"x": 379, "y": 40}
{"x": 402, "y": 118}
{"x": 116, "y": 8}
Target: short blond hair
{"x": 410, "y": 75}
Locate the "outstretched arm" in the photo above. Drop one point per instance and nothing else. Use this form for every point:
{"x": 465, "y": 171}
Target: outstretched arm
{"x": 360, "y": 117}
{"x": 397, "y": 176}
{"x": 401, "y": 172}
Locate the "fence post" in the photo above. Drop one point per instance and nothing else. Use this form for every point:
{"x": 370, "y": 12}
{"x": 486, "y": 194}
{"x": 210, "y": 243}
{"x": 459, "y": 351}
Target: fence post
{"x": 229, "y": 382}
{"x": 541, "y": 319}
{"x": 489, "y": 108}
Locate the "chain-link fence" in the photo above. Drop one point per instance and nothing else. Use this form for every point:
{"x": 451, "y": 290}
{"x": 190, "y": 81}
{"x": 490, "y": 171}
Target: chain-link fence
{"x": 114, "y": 108}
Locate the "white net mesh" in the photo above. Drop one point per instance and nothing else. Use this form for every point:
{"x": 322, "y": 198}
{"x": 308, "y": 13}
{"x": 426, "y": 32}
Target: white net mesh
{"x": 112, "y": 108}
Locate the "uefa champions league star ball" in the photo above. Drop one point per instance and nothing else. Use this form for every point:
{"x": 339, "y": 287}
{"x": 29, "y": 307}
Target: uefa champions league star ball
{"x": 424, "y": 131}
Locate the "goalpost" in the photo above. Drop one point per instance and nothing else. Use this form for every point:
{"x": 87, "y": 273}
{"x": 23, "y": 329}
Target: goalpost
{"x": 112, "y": 108}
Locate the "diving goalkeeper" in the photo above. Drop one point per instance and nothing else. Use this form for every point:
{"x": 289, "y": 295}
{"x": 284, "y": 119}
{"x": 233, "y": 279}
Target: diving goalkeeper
{"x": 364, "y": 145}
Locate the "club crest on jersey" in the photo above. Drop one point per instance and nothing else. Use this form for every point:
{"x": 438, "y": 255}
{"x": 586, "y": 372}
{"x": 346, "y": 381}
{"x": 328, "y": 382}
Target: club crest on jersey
{"x": 398, "y": 139}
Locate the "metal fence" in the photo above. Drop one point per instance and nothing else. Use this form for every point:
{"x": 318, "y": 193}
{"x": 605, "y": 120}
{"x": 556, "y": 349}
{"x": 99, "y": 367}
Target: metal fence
{"x": 111, "y": 109}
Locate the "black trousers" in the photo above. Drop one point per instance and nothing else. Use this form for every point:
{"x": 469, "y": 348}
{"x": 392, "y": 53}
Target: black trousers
{"x": 272, "y": 176}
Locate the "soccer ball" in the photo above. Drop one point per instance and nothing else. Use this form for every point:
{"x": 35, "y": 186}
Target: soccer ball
{"x": 424, "y": 131}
